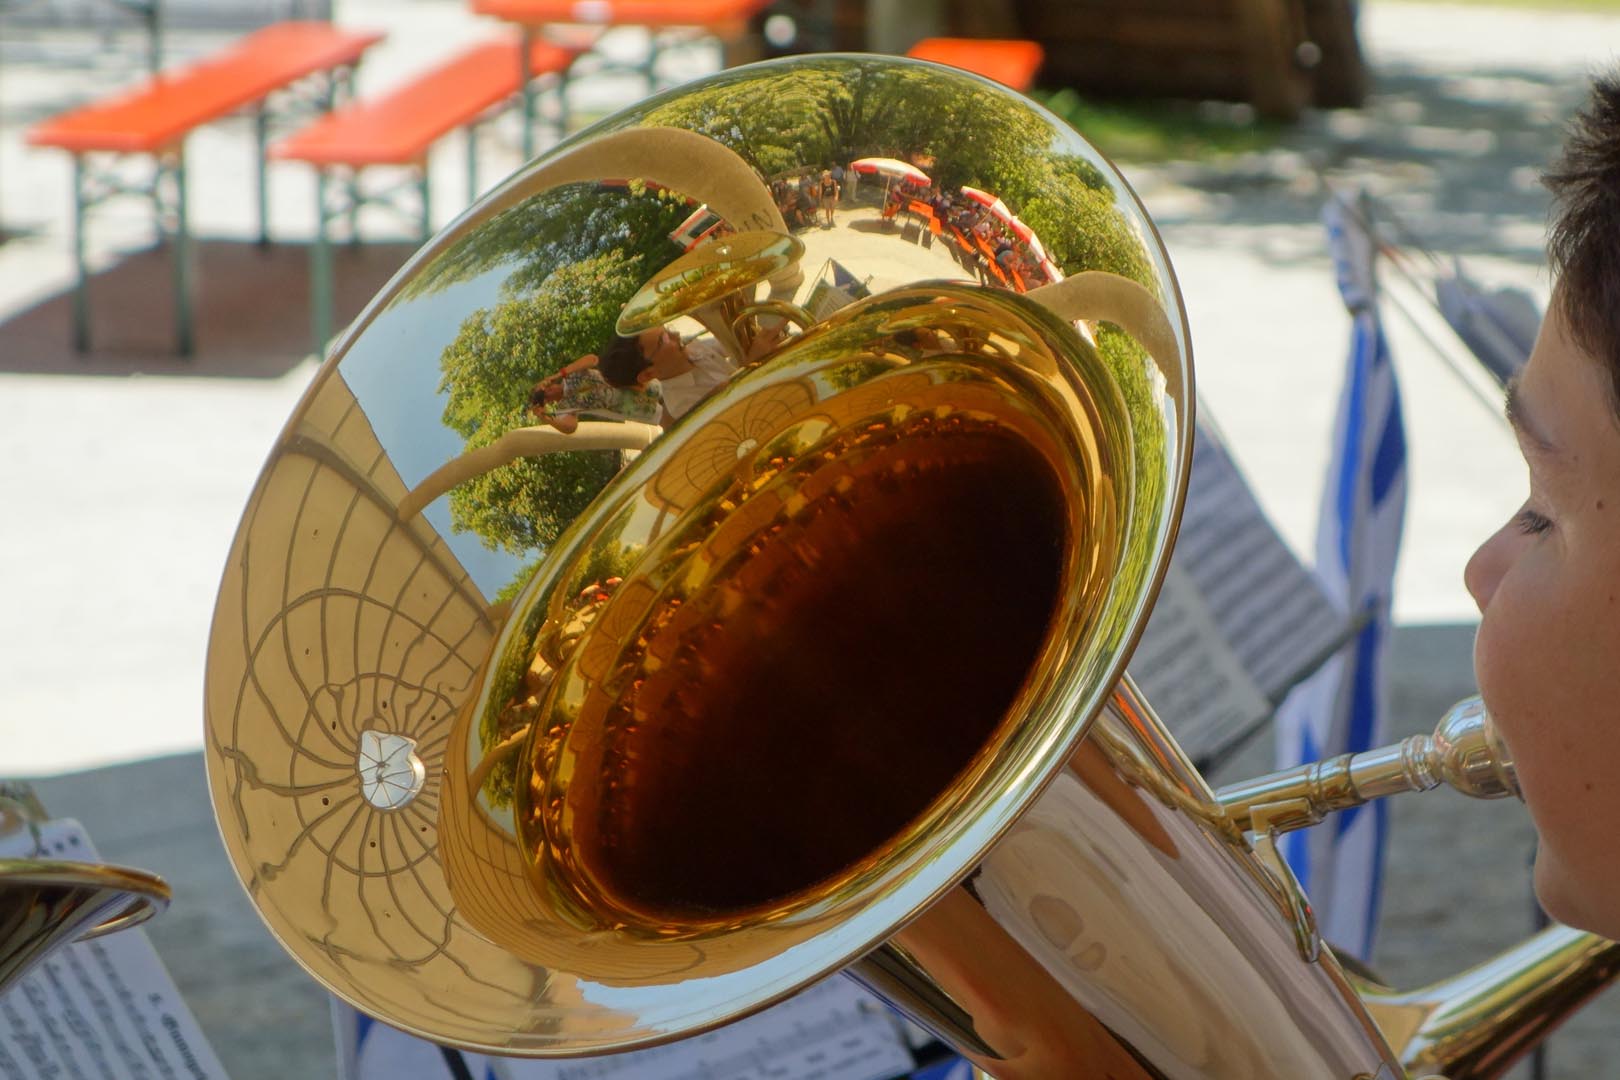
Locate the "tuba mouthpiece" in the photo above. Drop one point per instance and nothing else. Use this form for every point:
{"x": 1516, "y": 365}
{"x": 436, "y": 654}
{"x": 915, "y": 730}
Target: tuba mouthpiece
{"x": 1468, "y": 754}
{"x": 1464, "y": 753}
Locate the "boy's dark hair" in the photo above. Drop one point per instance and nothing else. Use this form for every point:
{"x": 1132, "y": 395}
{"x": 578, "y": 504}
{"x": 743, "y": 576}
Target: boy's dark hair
{"x": 1584, "y": 241}
{"x": 622, "y": 362}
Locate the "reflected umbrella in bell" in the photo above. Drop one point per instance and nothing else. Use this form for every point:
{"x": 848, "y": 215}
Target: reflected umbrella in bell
{"x": 1037, "y": 252}
{"x": 1017, "y": 227}
{"x": 990, "y": 202}
{"x": 893, "y": 170}
{"x": 1001, "y": 212}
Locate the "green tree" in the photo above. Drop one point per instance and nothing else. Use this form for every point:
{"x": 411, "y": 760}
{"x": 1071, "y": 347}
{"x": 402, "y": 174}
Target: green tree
{"x": 487, "y": 372}
{"x": 556, "y": 228}
{"x": 577, "y": 254}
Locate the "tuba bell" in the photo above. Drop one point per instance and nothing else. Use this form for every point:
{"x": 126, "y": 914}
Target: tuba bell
{"x": 548, "y": 744}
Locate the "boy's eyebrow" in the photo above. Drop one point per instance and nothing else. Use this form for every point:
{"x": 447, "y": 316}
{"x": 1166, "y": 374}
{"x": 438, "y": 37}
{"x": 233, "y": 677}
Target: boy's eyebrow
{"x": 1522, "y": 420}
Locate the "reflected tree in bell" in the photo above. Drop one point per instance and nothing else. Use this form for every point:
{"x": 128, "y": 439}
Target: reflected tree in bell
{"x": 576, "y": 255}
{"x": 488, "y": 369}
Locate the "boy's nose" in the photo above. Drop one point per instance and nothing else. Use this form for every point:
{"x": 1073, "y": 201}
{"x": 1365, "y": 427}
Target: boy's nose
{"x": 1486, "y": 567}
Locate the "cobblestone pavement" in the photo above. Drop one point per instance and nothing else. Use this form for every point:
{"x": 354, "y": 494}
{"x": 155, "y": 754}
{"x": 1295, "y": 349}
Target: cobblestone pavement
{"x": 127, "y": 470}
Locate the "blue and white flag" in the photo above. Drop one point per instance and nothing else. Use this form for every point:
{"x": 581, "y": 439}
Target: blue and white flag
{"x": 368, "y": 1050}
{"x": 1342, "y": 707}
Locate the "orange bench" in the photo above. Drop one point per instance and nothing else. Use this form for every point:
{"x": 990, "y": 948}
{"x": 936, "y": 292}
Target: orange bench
{"x": 398, "y": 129}
{"x": 154, "y": 119}
{"x": 1009, "y": 62}
{"x": 723, "y": 19}
{"x": 990, "y": 261}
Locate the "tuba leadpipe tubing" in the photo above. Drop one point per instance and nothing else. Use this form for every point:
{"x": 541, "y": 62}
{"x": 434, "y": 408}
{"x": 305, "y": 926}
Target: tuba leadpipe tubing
{"x": 1464, "y": 753}
{"x": 1478, "y": 1023}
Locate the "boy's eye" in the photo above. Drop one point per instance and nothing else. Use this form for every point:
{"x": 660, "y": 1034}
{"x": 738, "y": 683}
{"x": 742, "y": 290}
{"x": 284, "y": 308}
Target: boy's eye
{"x": 1531, "y": 522}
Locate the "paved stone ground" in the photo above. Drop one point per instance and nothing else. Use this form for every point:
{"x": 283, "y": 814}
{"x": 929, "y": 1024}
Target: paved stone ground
{"x": 125, "y": 472}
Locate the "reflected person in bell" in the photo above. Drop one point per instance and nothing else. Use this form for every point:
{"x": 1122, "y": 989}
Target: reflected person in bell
{"x": 1547, "y": 583}
{"x": 684, "y": 372}
{"x": 579, "y": 390}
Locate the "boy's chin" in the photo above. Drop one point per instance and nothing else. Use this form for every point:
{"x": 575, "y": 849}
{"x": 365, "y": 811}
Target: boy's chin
{"x": 1565, "y": 901}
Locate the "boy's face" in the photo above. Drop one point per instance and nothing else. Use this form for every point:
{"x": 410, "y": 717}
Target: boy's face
{"x": 665, "y": 358}
{"x": 1548, "y": 652}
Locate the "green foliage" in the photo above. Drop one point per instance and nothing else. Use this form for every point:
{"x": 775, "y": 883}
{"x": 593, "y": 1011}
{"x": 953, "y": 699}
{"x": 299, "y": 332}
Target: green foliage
{"x": 487, "y": 372}
{"x": 589, "y": 250}
{"x": 1084, "y": 230}
{"x": 508, "y": 593}
{"x": 789, "y": 133}
{"x": 1163, "y": 130}
{"x": 557, "y": 228}
{"x": 837, "y": 112}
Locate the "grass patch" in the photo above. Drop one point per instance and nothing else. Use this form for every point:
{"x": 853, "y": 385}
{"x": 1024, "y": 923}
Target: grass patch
{"x": 1152, "y": 131}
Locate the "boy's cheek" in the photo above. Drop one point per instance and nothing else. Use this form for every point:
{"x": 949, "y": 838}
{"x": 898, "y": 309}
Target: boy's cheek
{"x": 1494, "y": 661}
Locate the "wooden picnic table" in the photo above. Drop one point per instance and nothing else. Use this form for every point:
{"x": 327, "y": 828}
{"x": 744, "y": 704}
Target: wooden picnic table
{"x": 155, "y": 117}
{"x": 723, "y": 19}
{"x": 990, "y": 259}
{"x": 1009, "y": 62}
{"x": 397, "y": 129}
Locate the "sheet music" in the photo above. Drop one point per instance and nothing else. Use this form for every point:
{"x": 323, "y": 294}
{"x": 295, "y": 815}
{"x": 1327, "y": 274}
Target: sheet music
{"x": 833, "y": 1030}
{"x": 1240, "y": 619}
{"x": 1191, "y": 678}
{"x": 104, "y": 1009}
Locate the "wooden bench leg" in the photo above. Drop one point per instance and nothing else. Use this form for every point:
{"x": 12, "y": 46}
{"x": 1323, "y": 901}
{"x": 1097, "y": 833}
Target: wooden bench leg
{"x": 320, "y": 272}
{"x": 81, "y": 276}
{"x": 425, "y": 191}
{"x": 650, "y": 69}
{"x": 354, "y": 197}
{"x": 526, "y": 81}
{"x": 261, "y": 135}
{"x": 183, "y": 339}
{"x": 562, "y": 103}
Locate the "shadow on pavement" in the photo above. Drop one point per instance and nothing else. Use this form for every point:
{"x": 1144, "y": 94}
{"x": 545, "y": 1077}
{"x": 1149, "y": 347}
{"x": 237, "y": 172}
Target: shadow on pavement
{"x": 250, "y": 311}
{"x": 1457, "y": 157}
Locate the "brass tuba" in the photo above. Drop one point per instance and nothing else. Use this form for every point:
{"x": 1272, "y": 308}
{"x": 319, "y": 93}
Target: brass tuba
{"x": 555, "y": 744}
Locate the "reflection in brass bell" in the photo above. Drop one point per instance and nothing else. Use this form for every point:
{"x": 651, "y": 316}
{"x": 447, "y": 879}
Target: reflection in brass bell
{"x": 714, "y": 284}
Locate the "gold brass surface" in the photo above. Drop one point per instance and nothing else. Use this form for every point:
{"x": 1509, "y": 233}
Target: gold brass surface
{"x": 714, "y": 270}
{"x": 546, "y": 743}
{"x": 714, "y": 284}
{"x": 1477, "y": 1024}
